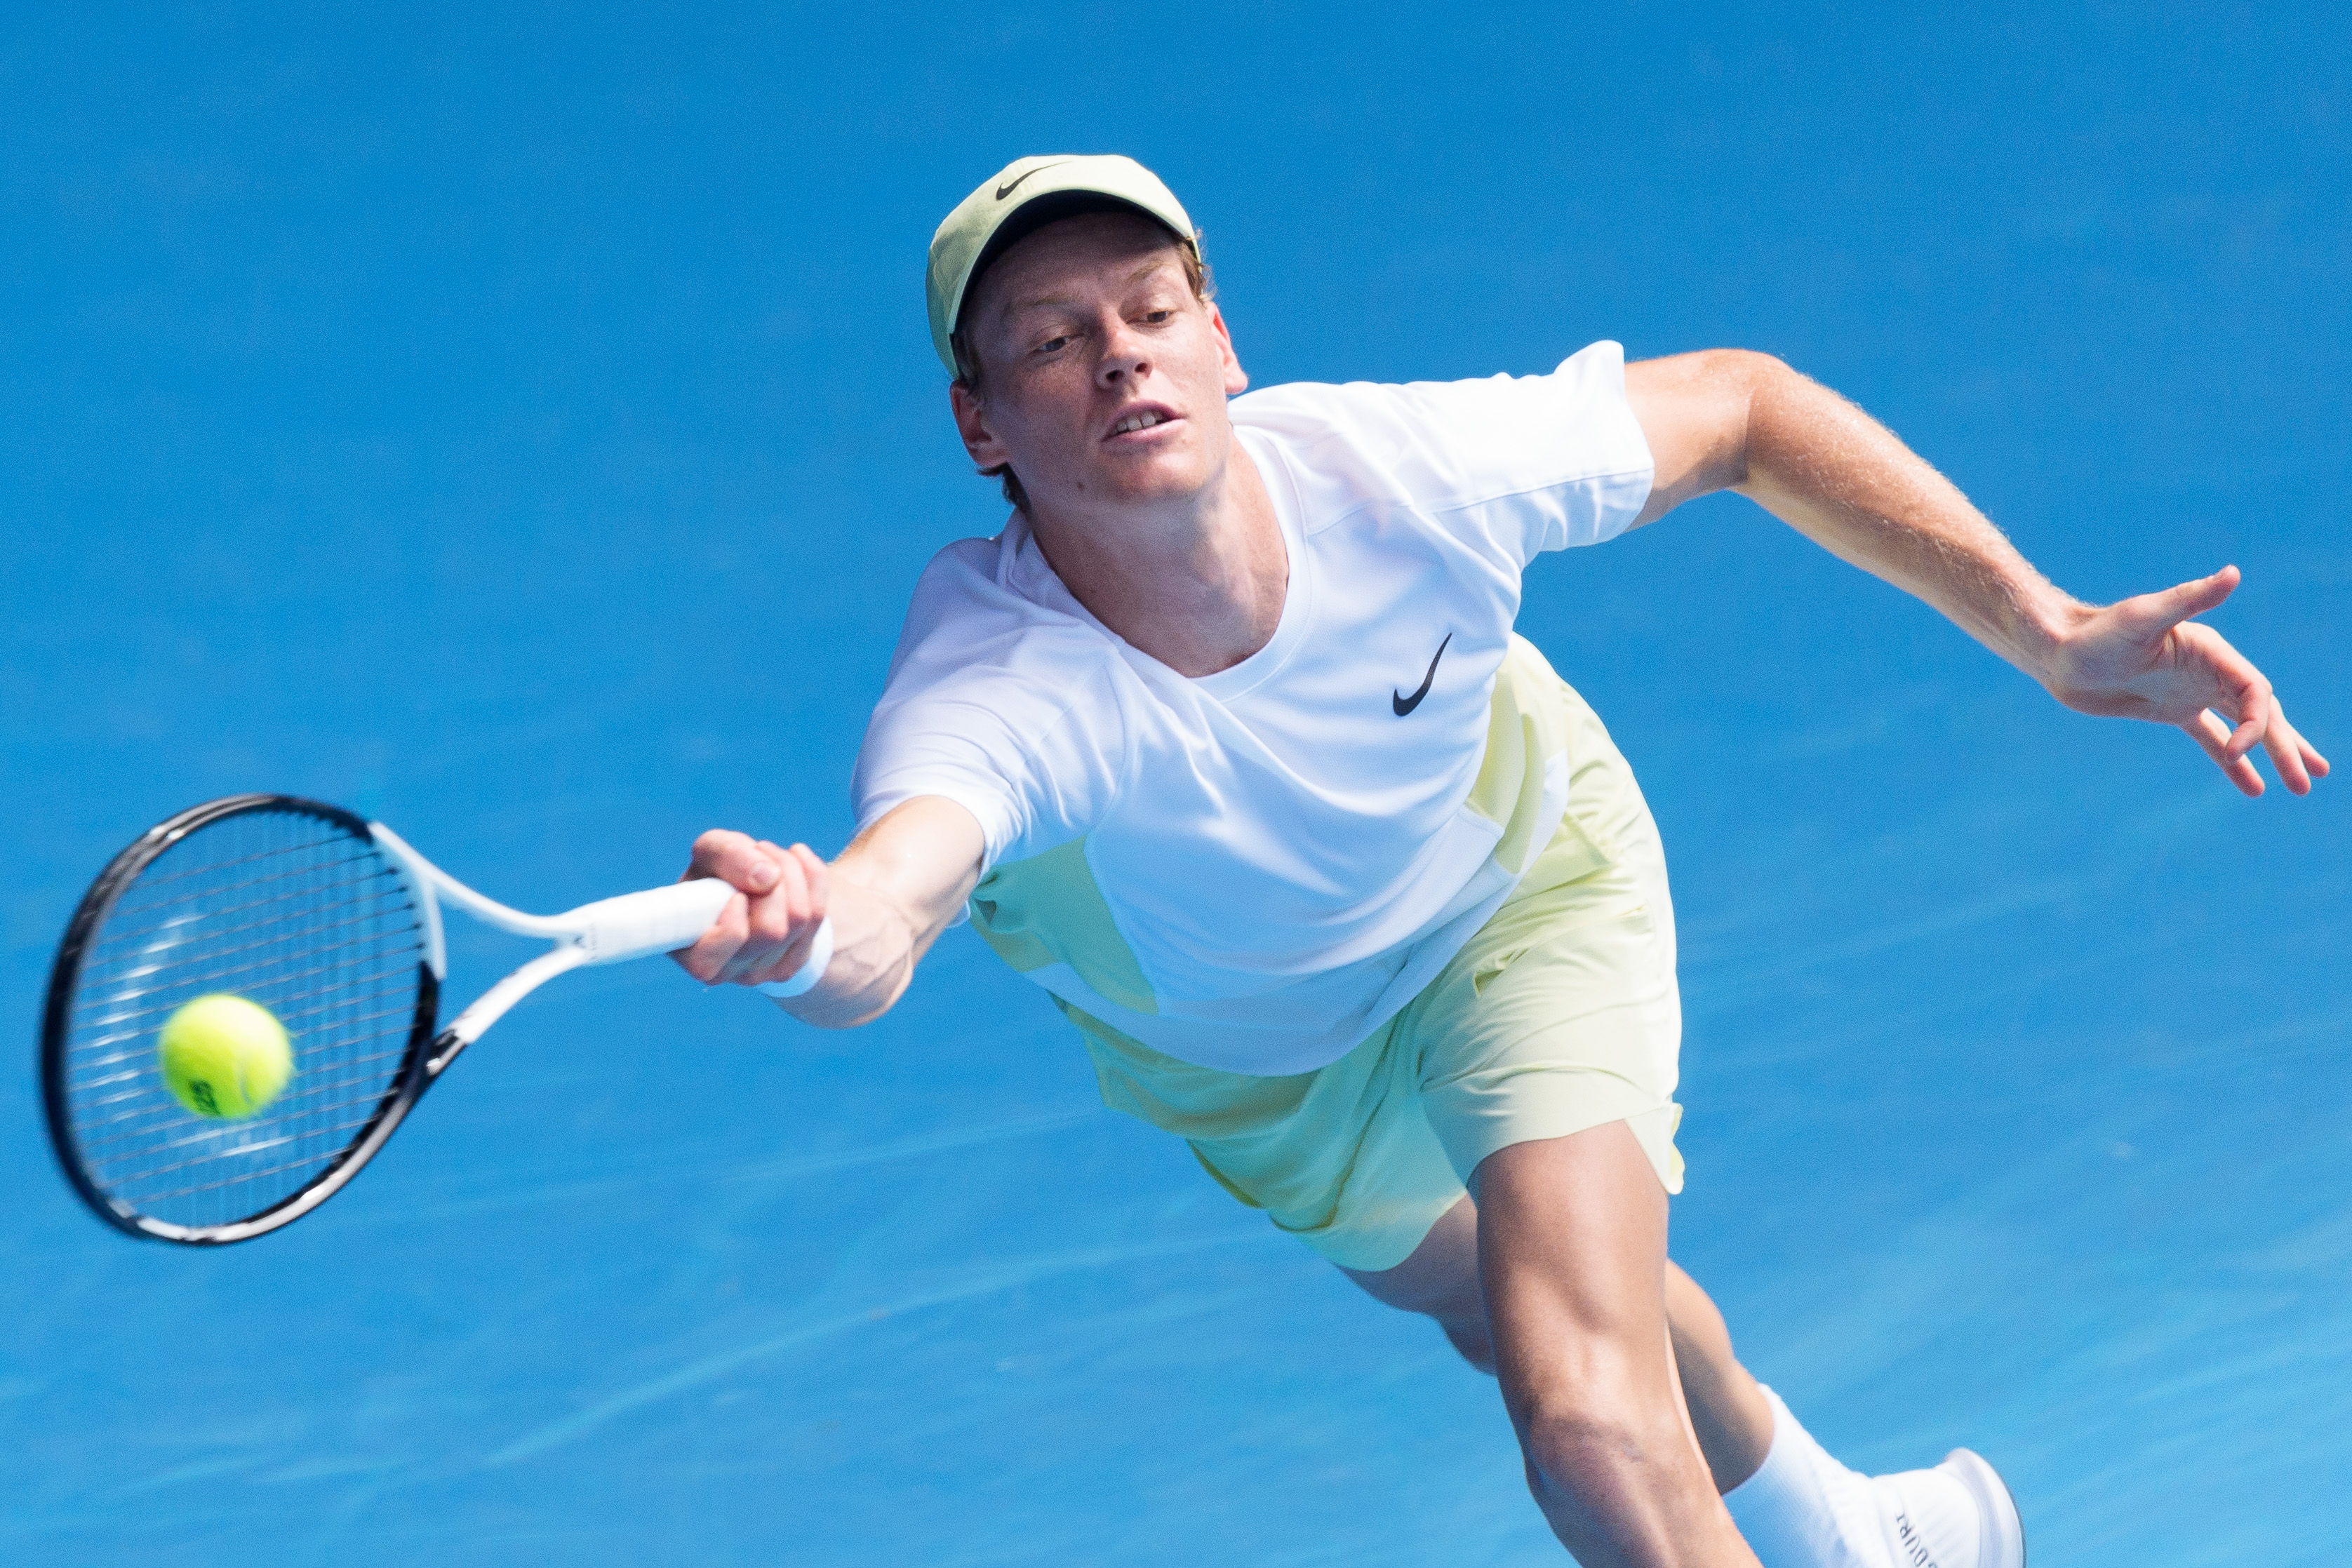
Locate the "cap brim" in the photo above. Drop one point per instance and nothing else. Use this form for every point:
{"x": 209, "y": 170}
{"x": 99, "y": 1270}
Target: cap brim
{"x": 987, "y": 223}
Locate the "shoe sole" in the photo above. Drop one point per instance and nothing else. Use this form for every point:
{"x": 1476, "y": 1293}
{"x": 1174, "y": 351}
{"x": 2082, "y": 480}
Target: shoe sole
{"x": 1995, "y": 1506}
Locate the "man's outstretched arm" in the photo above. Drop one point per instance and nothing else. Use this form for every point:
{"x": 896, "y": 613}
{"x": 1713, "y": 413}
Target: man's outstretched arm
{"x": 889, "y": 893}
{"x": 1731, "y": 420}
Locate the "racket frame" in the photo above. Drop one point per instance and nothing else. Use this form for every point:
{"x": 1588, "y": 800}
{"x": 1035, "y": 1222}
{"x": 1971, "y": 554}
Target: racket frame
{"x": 56, "y": 1029}
{"x": 609, "y": 931}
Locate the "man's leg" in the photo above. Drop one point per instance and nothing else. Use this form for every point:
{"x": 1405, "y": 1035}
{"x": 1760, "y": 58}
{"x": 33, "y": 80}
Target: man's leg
{"x": 1727, "y": 1410}
{"x": 1440, "y": 1281}
{"x": 1797, "y": 1506}
{"x": 1572, "y": 1256}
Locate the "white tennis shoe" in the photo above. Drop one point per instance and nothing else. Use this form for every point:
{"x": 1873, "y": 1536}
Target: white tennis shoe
{"x": 1957, "y": 1515}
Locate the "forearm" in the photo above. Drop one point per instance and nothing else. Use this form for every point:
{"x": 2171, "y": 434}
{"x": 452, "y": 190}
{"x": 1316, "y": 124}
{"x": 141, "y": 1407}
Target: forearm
{"x": 1730, "y": 420}
{"x": 885, "y": 900}
{"x": 886, "y": 914}
{"x": 1845, "y": 481}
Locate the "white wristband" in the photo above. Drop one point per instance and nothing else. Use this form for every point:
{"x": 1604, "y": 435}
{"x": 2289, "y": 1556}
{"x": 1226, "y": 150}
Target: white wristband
{"x": 806, "y": 977}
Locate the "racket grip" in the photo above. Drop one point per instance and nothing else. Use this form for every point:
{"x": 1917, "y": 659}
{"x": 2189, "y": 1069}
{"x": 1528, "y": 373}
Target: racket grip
{"x": 658, "y": 920}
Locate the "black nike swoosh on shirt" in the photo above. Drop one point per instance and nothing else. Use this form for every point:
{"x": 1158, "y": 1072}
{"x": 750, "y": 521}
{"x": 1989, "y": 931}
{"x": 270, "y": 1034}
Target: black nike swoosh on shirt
{"x": 1405, "y": 705}
{"x": 1005, "y": 190}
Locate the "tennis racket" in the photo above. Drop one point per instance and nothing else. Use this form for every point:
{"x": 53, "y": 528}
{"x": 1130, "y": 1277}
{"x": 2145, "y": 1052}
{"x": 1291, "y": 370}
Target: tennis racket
{"x": 333, "y": 924}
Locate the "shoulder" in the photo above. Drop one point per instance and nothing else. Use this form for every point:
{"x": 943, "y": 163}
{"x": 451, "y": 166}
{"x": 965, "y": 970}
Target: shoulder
{"x": 989, "y": 622}
{"x": 996, "y": 591}
{"x": 1461, "y": 442}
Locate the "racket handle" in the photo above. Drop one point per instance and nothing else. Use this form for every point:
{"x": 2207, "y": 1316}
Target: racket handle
{"x": 658, "y": 920}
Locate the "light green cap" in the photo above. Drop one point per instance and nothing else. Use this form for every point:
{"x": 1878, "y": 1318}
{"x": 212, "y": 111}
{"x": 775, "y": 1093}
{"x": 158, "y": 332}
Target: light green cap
{"x": 1056, "y": 185}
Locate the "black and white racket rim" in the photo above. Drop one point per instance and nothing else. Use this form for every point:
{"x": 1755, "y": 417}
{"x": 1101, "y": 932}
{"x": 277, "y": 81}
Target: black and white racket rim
{"x": 284, "y": 901}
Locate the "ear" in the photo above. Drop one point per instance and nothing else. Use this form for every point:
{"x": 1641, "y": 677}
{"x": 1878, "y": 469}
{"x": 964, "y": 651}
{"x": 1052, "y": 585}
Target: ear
{"x": 1236, "y": 378}
{"x": 971, "y": 423}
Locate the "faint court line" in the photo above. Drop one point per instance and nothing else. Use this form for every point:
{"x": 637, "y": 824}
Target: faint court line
{"x": 987, "y": 1282}
{"x": 735, "y": 1171}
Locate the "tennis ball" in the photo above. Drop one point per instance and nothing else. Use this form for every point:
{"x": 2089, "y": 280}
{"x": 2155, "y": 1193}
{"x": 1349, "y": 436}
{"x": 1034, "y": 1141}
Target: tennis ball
{"x": 224, "y": 1057}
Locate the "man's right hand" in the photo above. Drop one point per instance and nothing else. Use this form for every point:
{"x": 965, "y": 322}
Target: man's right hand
{"x": 889, "y": 894}
{"x": 764, "y": 935}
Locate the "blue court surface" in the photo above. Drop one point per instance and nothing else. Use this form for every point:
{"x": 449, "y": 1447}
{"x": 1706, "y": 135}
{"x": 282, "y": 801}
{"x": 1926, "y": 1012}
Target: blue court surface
{"x": 520, "y": 426}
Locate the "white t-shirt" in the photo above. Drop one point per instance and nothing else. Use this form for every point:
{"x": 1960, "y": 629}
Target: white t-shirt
{"x": 1253, "y": 870}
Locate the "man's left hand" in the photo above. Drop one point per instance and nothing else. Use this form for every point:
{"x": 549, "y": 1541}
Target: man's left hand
{"x": 2144, "y": 658}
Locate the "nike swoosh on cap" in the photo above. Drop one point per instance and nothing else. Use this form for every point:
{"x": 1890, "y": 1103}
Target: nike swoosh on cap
{"x": 1405, "y": 705}
{"x": 1005, "y": 190}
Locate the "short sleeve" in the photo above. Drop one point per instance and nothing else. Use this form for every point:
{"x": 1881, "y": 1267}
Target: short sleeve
{"x": 995, "y": 705}
{"x": 1516, "y": 465}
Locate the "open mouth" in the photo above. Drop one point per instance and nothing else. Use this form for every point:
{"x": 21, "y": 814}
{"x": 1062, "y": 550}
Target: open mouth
{"x": 1136, "y": 419}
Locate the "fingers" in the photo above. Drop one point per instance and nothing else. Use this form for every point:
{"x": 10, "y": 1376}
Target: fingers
{"x": 763, "y": 934}
{"x": 2145, "y": 658}
{"x": 2312, "y": 763}
{"x": 2209, "y": 732}
{"x": 2153, "y": 613}
{"x": 2296, "y": 761}
{"x": 819, "y": 879}
{"x": 767, "y": 925}
{"x": 716, "y": 947}
{"x": 736, "y": 859}
{"x": 2255, "y": 707}
{"x": 2218, "y": 676}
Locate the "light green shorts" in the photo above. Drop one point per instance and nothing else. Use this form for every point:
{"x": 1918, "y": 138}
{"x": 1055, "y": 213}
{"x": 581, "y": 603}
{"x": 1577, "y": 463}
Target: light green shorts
{"x": 1561, "y": 1014}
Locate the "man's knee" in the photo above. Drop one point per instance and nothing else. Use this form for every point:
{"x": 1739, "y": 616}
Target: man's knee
{"x": 1589, "y": 1450}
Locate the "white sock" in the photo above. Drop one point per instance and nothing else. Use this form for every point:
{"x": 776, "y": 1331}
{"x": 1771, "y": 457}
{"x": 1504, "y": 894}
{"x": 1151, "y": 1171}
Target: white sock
{"x": 1803, "y": 1509}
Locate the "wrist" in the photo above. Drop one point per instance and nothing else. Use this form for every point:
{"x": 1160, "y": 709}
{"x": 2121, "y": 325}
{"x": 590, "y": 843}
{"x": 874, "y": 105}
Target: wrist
{"x": 2046, "y": 618}
{"x": 812, "y": 970}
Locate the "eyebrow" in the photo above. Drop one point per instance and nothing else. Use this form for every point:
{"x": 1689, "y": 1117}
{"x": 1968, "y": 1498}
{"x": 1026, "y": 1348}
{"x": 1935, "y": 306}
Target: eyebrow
{"x": 1015, "y": 306}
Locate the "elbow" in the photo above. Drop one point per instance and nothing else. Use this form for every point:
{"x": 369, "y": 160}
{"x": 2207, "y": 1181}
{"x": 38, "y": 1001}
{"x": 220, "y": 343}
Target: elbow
{"x": 1728, "y": 377}
{"x": 1743, "y": 370}
{"x": 1745, "y": 381}
{"x": 1702, "y": 413}
{"x": 1753, "y": 384}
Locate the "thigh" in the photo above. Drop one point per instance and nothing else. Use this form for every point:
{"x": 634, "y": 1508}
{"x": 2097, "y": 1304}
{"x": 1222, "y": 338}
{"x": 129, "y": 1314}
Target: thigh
{"x": 1342, "y": 1157}
{"x": 1562, "y": 1012}
{"x": 1728, "y": 1411}
{"x": 1562, "y": 1015}
{"x": 1571, "y": 1235}
{"x": 1572, "y": 1259}
{"x": 1440, "y": 1278}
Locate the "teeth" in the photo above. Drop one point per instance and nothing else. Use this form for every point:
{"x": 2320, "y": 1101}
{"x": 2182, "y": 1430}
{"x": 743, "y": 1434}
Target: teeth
{"x": 1136, "y": 422}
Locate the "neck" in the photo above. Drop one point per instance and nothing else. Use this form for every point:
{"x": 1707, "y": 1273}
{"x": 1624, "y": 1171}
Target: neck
{"x": 1197, "y": 583}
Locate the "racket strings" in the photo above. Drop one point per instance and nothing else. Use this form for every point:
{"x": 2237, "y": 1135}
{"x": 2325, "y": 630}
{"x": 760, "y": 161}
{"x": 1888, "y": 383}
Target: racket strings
{"x": 230, "y": 977}
{"x": 223, "y": 925}
{"x": 127, "y": 1066}
{"x": 107, "y": 1128}
{"x": 124, "y": 911}
{"x": 154, "y": 878}
{"x": 291, "y": 912}
{"x": 244, "y": 1179}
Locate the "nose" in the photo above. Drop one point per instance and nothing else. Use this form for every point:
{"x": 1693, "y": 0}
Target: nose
{"x": 1125, "y": 359}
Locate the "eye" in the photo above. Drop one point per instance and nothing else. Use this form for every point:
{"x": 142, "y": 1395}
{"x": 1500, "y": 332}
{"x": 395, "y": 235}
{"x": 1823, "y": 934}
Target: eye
{"x": 1157, "y": 317}
{"x": 1052, "y": 345}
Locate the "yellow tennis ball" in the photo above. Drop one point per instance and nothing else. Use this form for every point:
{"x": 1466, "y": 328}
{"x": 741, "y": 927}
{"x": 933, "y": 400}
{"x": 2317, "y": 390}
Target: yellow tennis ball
{"x": 224, "y": 1057}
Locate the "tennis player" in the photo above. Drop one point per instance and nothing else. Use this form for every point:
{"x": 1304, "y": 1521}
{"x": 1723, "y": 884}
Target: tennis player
{"x": 1226, "y": 741}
